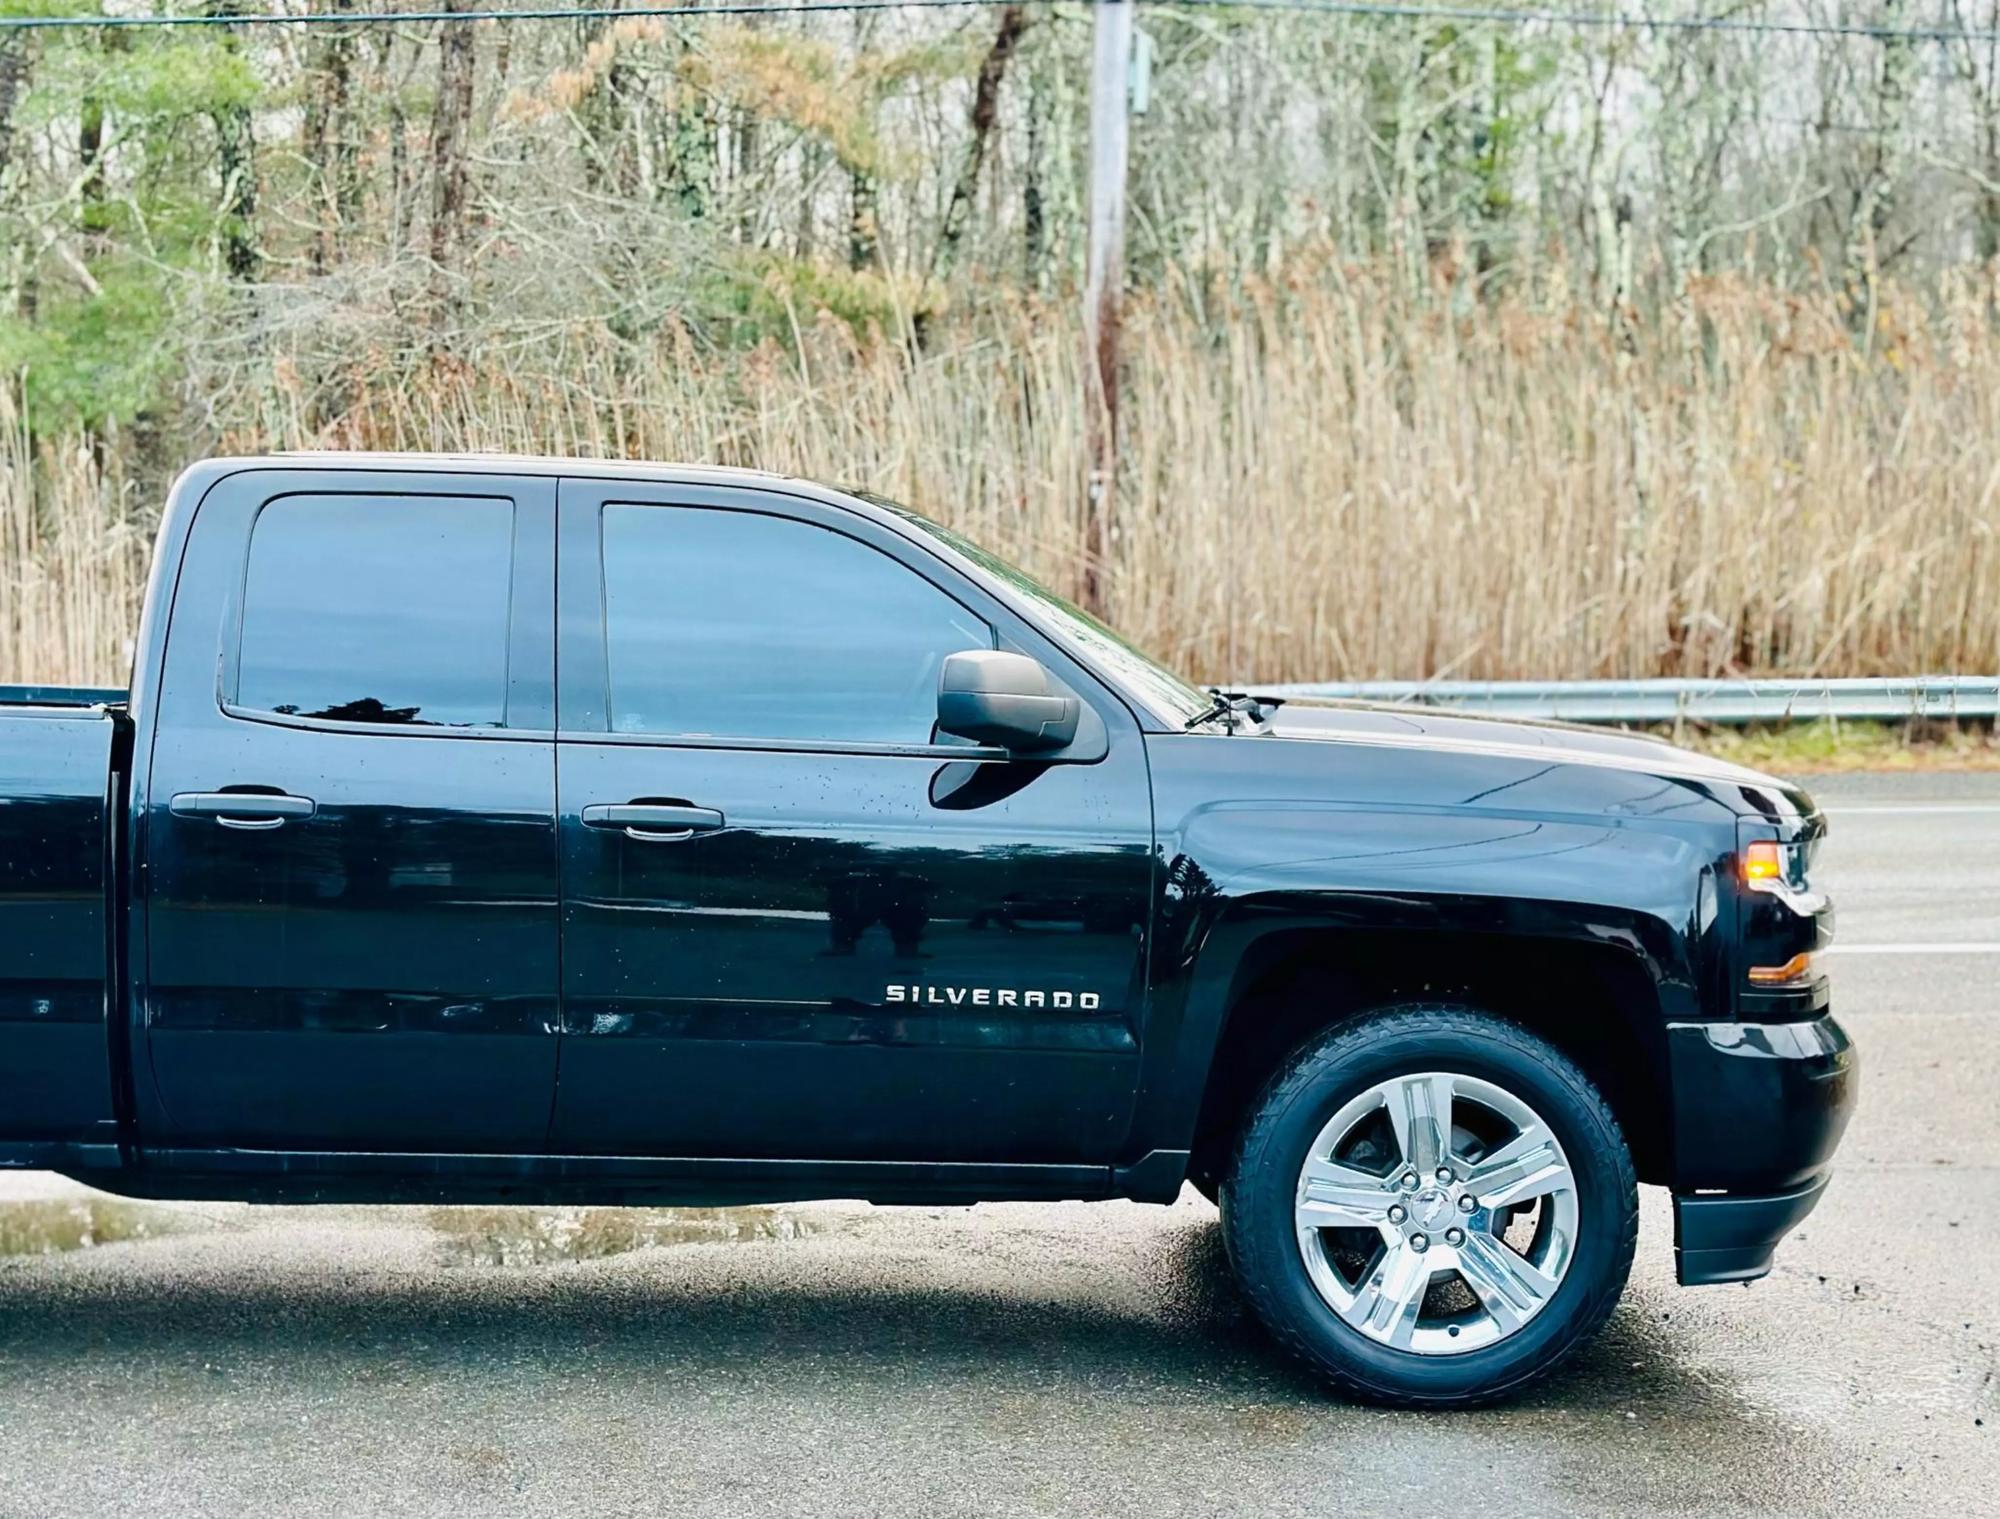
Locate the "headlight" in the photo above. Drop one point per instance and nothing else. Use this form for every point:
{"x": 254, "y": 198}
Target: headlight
{"x": 1774, "y": 867}
{"x": 1779, "y": 870}
{"x": 1784, "y": 922}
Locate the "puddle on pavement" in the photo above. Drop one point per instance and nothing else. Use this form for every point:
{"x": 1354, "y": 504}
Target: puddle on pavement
{"x": 47, "y": 1226}
{"x": 547, "y": 1236}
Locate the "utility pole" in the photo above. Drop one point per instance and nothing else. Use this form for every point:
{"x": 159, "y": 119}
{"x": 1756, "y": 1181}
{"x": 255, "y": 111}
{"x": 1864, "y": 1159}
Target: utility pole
{"x": 1104, "y": 279}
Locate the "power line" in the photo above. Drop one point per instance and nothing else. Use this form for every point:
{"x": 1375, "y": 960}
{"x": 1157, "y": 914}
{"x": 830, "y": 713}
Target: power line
{"x": 524, "y": 13}
{"x": 1363, "y": 9}
{"x": 1600, "y": 20}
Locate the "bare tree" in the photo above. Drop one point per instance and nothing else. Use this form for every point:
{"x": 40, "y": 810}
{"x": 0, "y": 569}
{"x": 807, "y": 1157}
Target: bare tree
{"x": 1034, "y": 211}
{"x": 330, "y": 140}
{"x": 236, "y": 159}
{"x": 451, "y": 122}
{"x": 13, "y": 76}
{"x": 985, "y": 108}
{"x": 1874, "y": 200}
{"x": 14, "y": 71}
{"x": 864, "y": 242}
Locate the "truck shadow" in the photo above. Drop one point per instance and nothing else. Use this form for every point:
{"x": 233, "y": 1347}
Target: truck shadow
{"x": 975, "y": 1330}
{"x": 607, "y": 1290}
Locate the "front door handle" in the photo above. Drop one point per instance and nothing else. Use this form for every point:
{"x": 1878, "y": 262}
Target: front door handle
{"x": 242, "y": 809}
{"x": 653, "y": 822}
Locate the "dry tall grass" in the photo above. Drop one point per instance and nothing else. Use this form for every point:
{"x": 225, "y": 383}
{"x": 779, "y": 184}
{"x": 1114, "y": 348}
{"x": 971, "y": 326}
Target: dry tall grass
{"x": 1323, "y": 482}
{"x": 72, "y": 561}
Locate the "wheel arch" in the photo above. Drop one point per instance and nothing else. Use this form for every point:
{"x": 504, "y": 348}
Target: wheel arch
{"x": 1295, "y": 982}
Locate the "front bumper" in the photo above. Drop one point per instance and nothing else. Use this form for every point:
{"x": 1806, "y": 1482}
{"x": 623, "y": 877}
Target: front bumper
{"x": 1758, "y": 1111}
{"x": 1732, "y": 1239}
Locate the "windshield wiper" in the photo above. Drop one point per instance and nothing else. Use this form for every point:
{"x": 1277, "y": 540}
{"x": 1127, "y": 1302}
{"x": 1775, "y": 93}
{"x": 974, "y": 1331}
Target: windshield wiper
{"x": 1226, "y": 704}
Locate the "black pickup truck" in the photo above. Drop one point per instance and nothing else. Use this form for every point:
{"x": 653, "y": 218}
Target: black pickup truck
{"x": 534, "y": 831}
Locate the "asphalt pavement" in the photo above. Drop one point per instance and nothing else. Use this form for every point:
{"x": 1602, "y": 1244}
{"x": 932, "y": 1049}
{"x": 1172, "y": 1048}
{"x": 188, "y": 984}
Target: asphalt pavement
{"x": 1075, "y": 1359}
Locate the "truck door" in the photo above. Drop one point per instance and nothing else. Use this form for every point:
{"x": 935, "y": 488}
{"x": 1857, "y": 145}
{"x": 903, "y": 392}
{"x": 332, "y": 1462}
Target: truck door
{"x": 795, "y": 925}
{"x": 349, "y": 854}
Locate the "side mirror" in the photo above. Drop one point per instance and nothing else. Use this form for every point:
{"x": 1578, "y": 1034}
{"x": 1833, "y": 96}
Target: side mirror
{"x": 1006, "y": 700}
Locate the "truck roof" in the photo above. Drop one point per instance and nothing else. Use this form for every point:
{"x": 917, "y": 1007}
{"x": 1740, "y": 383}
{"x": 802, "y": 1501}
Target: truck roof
{"x": 205, "y": 472}
{"x": 518, "y": 464}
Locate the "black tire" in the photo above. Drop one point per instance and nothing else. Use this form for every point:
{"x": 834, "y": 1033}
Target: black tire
{"x": 1328, "y": 1071}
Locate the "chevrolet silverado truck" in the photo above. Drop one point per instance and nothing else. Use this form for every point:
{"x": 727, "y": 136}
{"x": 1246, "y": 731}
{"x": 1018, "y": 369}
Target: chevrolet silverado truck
{"x": 539, "y": 831}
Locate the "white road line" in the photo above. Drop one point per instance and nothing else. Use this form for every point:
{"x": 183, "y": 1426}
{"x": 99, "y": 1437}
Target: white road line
{"x": 1970, "y": 947}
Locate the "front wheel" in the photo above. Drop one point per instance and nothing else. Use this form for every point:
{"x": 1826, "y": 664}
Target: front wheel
{"x": 1431, "y": 1206}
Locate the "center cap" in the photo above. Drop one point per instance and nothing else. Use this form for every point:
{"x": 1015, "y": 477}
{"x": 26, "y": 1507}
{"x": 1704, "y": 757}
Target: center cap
{"x": 1432, "y": 1208}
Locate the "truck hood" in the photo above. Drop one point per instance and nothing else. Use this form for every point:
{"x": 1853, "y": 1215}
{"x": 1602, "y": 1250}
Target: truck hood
{"x": 1429, "y": 729}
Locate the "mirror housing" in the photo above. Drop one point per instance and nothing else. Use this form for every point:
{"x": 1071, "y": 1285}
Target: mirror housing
{"x": 1006, "y": 700}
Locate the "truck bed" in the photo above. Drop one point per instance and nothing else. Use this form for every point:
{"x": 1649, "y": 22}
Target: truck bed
{"x": 61, "y": 765}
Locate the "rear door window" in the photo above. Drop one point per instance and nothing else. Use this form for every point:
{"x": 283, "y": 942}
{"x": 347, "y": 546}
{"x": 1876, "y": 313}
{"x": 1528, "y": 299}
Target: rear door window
{"x": 379, "y": 609}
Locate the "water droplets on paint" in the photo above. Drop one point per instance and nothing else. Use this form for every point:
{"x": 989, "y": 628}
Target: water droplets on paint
{"x": 548, "y": 1236}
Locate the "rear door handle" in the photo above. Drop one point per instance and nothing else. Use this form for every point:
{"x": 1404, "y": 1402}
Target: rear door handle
{"x": 653, "y": 822}
{"x": 242, "y": 809}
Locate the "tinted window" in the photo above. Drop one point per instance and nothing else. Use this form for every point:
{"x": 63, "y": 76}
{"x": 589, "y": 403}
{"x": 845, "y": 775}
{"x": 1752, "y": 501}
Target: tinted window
{"x": 742, "y": 626}
{"x": 379, "y": 609}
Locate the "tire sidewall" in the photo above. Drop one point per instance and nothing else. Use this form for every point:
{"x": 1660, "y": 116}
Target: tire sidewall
{"x": 1300, "y": 1102}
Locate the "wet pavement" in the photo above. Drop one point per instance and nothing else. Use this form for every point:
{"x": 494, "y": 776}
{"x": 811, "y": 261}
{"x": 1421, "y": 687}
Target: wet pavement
{"x": 1035, "y": 1359}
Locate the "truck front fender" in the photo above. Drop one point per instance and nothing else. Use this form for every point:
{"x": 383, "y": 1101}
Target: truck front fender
{"x": 1249, "y": 886}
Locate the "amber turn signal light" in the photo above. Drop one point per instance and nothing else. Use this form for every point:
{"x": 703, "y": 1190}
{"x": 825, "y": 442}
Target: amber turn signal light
{"x": 1798, "y": 968}
{"x": 1762, "y": 861}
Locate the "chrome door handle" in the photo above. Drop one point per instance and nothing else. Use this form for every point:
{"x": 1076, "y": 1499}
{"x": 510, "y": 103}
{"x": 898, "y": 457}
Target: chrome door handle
{"x": 652, "y": 822}
{"x": 257, "y": 810}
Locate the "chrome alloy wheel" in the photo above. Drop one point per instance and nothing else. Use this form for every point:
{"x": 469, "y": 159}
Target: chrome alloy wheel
{"x": 1436, "y": 1213}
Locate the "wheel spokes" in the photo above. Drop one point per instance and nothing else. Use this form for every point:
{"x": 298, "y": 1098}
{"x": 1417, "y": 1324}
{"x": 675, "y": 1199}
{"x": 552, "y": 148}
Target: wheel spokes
{"x": 1529, "y": 1165}
{"x": 1387, "y": 1303}
{"x": 1509, "y": 1286}
{"x": 1333, "y": 1196}
{"x": 1420, "y": 1113}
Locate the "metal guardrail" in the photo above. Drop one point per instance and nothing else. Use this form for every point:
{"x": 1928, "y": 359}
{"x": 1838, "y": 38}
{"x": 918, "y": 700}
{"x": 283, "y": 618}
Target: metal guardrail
{"x": 1892, "y": 699}
{"x": 1888, "y": 699}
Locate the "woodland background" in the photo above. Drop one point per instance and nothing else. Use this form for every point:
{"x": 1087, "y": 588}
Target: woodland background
{"x": 1453, "y": 346}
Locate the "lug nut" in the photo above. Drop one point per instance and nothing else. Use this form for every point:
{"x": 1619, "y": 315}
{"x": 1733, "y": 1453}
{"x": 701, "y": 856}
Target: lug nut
{"x": 1397, "y": 1215}
{"x": 1467, "y": 1203}
{"x": 1410, "y": 1181}
{"x": 1444, "y": 1173}
{"x": 1419, "y": 1243}
{"x": 1454, "y": 1236}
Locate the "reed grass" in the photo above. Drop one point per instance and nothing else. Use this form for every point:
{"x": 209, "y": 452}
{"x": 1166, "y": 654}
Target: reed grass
{"x": 1321, "y": 479}
{"x": 73, "y": 555}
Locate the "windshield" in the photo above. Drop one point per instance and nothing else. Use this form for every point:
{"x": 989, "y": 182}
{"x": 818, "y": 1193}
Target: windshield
{"x": 1152, "y": 682}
